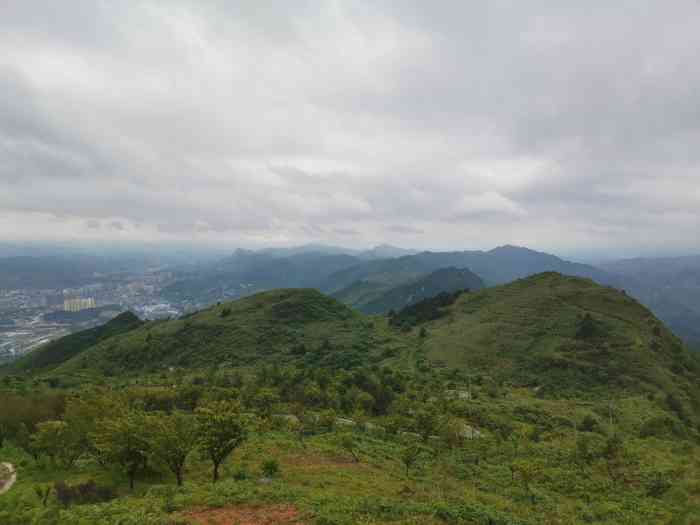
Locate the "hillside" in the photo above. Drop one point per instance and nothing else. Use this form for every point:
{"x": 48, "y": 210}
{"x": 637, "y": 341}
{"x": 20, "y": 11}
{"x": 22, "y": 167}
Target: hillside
{"x": 283, "y": 326}
{"x": 57, "y": 352}
{"x": 480, "y": 407}
{"x": 526, "y": 333}
{"x": 537, "y": 331}
{"x": 670, "y": 286}
{"x": 247, "y": 272}
{"x": 443, "y": 280}
{"x": 497, "y": 266}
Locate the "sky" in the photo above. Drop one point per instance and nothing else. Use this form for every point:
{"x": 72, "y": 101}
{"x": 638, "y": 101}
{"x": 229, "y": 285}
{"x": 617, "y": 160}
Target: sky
{"x": 572, "y": 127}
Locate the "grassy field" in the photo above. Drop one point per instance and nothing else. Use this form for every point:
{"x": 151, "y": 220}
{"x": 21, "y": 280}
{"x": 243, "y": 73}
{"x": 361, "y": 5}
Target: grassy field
{"x": 321, "y": 482}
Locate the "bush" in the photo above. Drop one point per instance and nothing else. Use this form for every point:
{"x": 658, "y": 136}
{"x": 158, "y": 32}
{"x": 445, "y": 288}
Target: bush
{"x": 589, "y": 424}
{"x": 270, "y": 468}
{"x": 88, "y": 492}
{"x": 240, "y": 474}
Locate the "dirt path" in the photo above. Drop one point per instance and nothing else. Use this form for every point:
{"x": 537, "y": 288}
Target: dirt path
{"x": 11, "y": 481}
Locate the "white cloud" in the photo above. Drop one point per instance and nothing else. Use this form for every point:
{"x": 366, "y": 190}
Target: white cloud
{"x": 451, "y": 125}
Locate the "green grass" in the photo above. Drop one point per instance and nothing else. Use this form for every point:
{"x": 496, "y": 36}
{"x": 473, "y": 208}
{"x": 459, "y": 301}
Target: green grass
{"x": 323, "y": 482}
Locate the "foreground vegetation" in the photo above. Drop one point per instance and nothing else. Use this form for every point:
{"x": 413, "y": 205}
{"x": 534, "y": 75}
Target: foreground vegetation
{"x": 289, "y": 405}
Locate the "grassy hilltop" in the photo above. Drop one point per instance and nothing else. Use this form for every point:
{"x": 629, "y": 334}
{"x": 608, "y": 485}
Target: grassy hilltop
{"x": 547, "y": 400}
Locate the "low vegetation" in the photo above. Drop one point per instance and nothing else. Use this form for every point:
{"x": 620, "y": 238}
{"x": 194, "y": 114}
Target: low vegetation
{"x": 336, "y": 418}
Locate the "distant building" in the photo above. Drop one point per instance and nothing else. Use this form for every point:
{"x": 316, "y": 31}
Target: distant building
{"x": 78, "y": 304}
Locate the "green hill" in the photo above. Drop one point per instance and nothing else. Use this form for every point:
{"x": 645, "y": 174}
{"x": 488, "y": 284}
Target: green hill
{"x": 565, "y": 334}
{"x": 288, "y": 326}
{"x": 61, "y": 350}
{"x": 443, "y": 280}
{"x": 548, "y": 400}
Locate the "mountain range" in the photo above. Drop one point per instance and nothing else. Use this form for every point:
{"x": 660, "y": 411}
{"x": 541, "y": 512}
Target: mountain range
{"x": 557, "y": 333}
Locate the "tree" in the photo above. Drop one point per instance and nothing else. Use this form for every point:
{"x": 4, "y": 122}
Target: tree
{"x": 24, "y": 441}
{"x": 410, "y": 456}
{"x": 220, "y": 430}
{"x": 427, "y": 423}
{"x": 172, "y": 439}
{"x": 348, "y": 442}
{"x": 528, "y": 472}
{"x": 586, "y": 327}
{"x": 264, "y": 400}
{"x": 123, "y": 440}
{"x": 59, "y": 441}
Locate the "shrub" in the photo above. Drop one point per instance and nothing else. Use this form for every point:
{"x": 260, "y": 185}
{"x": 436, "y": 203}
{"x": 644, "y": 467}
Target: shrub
{"x": 270, "y": 468}
{"x": 589, "y": 424}
{"x": 241, "y": 474}
{"x": 88, "y": 492}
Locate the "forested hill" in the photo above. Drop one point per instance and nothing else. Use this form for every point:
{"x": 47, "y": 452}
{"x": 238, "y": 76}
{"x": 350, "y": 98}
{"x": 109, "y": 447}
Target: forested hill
{"x": 61, "y": 350}
{"x": 443, "y": 280}
{"x": 564, "y": 334}
{"x": 497, "y": 266}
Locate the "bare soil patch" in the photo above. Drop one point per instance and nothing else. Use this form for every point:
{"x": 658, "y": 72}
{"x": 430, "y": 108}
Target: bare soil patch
{"x": 247, "y": 515}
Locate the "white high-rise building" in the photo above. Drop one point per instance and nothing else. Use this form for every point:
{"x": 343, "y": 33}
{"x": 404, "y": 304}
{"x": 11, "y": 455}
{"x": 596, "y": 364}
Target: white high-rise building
{"x": 78, "y": 304}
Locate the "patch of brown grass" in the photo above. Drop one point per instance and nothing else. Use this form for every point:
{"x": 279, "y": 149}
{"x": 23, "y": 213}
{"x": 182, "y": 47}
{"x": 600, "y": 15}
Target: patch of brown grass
{"x": 247, "y": 515}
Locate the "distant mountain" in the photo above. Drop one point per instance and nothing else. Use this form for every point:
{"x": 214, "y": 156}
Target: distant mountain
{"x": 498, "y": 266}
{"x": 247, "y": 272}
{"x": 443, "y": 280}
{"x": 319, "y": 249}
{"x": 51, "y": 272}
{"x": 670, "y": 286}
{"x": 385, "y": 251}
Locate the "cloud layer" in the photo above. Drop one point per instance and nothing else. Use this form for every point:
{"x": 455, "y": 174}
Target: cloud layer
{"x": 462, "y": 124}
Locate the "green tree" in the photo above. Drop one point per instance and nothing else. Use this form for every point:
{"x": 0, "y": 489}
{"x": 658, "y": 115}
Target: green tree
{"x": 528, "y": 472}
{"x": 24, "y": 441}
{"x": 220, "y": 431}
{"x": 410, "y": 456}
{"x": 58, "y": 441}
{"x": 264, "y": 400}
{"x": 173, "y": 437}
{"x": 123, "y": 440}
{"x": 427, "y": 423}
{"x": 348, "y": 442}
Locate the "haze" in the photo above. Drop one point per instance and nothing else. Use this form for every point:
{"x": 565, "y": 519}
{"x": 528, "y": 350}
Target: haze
{"x": 447, "y": 125}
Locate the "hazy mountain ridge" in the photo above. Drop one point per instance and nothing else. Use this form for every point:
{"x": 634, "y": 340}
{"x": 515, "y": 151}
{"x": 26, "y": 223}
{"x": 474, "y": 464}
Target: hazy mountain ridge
{"x": 442, "y": 280}
{"x": 670, "y": 286}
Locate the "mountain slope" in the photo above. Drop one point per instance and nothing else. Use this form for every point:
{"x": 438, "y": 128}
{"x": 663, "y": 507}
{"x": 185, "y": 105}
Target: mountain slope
{"x": 670, "y": 286}
{"x": 248, "y": 272}
{"x": 282, "y": 326}
{"x": 443, "y": 280}
{"x": 566, "y": 334}
{"x": 498, "y": 266}
{"x": 61, "y": 350}
{"x": 563, "y": 334}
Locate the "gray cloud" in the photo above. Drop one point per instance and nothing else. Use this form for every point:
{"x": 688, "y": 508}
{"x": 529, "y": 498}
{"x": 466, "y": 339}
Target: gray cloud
{"x": 563, "y": 126}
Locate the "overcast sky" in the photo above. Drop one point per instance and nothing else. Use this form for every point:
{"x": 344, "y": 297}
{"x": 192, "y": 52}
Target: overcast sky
{"x": 569, "y": 128}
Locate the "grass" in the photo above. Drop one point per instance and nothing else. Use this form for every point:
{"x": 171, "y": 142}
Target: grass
{"x": 321, "y": 480}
